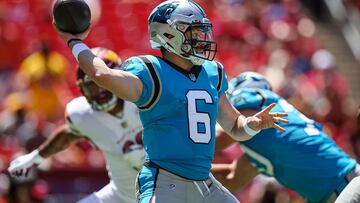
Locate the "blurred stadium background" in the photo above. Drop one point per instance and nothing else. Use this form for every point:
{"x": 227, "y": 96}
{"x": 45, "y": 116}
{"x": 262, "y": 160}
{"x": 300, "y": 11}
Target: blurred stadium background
{"x": 309, "y": 50}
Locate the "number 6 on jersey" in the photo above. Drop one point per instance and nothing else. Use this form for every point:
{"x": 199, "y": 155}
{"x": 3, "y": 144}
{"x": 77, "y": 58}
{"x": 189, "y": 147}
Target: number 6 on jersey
{"x": 198, "y": 118}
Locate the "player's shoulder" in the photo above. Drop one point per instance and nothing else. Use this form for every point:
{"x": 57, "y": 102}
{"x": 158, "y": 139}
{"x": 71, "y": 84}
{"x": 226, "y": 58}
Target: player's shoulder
{"x": 215, "y": 70}
{"x": 250, "y": 98}
{"x": 130, "y": 106}
{"x": 77, "y": 107}
{"x": 242, "y": 95}
{"x": 132, "y": 62}
{"x": 131, "y": 113}
{"x": 138, "y": 62}
{"x": 216, "y": 74}
{"x": 213, "y": 67}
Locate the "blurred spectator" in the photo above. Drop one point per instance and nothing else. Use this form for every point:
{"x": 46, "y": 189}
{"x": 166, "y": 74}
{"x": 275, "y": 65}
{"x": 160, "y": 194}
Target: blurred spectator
{"x": 42, "y": 75}
{"x": 11, "y": 33}
{"x": 14, "y": 120}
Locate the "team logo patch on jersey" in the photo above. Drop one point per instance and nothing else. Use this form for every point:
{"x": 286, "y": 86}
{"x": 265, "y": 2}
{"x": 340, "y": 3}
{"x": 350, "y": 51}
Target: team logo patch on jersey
{"x": 124, "y": 124}
{"x": 192, "y": 77}
{"x": 172, "y": 186}
{"x": 126, "y": 64}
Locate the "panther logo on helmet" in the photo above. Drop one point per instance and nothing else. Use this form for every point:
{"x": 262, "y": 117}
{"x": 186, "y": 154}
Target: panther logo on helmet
{"x": 181, "y": 27}
{"x": 99, "y": 98}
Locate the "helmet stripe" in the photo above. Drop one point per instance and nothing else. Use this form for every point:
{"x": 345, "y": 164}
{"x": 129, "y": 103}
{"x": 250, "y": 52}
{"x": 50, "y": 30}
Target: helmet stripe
{"x": 198, "y": 8}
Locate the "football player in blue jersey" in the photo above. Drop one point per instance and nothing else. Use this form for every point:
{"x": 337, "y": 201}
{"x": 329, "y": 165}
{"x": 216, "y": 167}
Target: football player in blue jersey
{"x": 303, "y": 158}
{"x": 180, "y": 97}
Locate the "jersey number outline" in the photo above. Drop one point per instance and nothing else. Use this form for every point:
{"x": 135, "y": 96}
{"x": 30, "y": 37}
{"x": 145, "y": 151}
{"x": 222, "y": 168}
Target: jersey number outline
{"x": 264, "y": 165}
{"x": 195, "y": 117}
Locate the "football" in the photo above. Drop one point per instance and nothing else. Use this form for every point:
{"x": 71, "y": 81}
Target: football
{"x": 71, "y": 16}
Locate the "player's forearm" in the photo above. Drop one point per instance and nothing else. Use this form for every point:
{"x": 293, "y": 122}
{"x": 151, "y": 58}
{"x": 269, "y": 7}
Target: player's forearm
{"x": 226, "y": 176}
{"x": 236, "y": 175}
{"x": 93, "y": 67}
{"x": 59, "y": 140}
{"x": 238, "y": 132}
{"x": 231, "y": 120}
{"x": 86, "y": 61}
{"x": 244, "y": 173}
{"x": 123, "y": 84}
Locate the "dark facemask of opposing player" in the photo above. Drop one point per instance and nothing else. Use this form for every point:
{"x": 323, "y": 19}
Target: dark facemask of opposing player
{"x": 99, "y": 98}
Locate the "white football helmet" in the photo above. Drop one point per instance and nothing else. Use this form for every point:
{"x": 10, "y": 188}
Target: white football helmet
{"x": 181, "y": 27}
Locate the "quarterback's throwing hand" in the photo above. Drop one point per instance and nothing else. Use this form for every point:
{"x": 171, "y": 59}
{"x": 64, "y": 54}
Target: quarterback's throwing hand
{"x": 68, "y": 36}
{"x": 264, "y": 119}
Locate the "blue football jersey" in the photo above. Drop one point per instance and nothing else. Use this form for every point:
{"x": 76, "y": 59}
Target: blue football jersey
{"x": 303, "y": 158}
{"x": 178, "y": 110}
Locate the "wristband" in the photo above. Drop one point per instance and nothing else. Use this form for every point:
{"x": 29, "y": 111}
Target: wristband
{"x": 77, "y": 48}
{"x": 73, "y": 39}
{"x": 37, "y": 158}
{"x": 248, "y": 130}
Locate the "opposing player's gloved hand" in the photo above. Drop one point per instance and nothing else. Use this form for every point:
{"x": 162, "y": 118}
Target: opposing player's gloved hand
{"x": 266, "y": 119}
{"x": 135, "y": 156}
{"x": 21, "y": 166}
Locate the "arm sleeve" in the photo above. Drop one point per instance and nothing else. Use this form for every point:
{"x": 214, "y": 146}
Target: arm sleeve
{"x": 222, "y": 84}
{"x": 135, "y": 66}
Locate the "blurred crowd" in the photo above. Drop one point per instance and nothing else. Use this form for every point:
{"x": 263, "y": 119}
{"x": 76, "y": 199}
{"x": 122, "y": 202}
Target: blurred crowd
{"x": 273, "y": 37}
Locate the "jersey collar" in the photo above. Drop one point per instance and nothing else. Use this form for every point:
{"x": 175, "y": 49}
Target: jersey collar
{"x": 192, "y": 74}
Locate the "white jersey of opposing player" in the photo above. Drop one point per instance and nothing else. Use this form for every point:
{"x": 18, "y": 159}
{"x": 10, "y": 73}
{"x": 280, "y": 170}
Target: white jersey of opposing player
{"x": 109, "y": 134}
